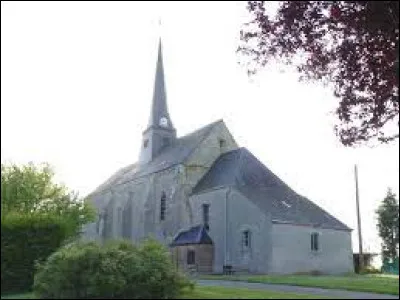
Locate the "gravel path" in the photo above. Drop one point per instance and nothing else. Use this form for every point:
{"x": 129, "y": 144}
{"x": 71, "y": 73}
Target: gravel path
{"x": 296, "y": 289}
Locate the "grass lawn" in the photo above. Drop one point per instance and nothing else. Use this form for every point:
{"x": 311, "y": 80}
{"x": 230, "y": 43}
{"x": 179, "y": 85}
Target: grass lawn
{"x": 215, "y": 293}
{"x": 19, "y": 296}
{"x": 361, "y": 283}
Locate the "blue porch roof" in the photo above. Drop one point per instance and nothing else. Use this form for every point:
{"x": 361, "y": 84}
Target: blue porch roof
{"x": 195, "y": 235}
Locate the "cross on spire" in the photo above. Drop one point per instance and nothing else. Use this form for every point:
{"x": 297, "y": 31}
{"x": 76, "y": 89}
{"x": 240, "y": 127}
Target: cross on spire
{"x": 159, "y": 27}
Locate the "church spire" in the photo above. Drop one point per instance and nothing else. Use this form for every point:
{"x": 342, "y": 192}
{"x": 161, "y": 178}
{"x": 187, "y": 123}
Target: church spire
{"x": 159, "y": 116}
{"x": 160, "y": 132}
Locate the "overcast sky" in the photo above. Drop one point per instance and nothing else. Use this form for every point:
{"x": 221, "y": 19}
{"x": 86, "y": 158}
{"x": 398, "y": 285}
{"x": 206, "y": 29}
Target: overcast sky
{"x": 77, "y": 81}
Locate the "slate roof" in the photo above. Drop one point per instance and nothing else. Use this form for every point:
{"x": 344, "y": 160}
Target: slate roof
{"x": 174, "y": 154}
{"x": 243, "y": 171}
{"x": 195, "y": 235}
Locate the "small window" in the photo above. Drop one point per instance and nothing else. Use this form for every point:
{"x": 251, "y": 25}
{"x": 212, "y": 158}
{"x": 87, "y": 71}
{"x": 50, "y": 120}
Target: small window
{"x": 191, "y": 257}
{"x": 222, "y": 143}
{"x": 314, "y": 241}
{"x": 145, "y": 143}
{"x": 206, "y": 215}
{"x": 246, "y": 239}
{"x": 163, "y": 206}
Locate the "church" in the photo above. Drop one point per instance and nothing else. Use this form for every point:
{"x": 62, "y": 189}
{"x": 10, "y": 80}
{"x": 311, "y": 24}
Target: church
{"x": 215, "y": 205}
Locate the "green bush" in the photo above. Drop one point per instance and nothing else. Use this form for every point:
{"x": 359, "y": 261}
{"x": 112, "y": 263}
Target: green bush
{"x": 116, "y": 270}
{"x": 26, "y": 239}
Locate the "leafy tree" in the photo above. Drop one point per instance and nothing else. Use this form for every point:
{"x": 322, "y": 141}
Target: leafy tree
{"x": 352, "y": 45}
{"x": 31, "y": 189}
{"x": 388, "y": 226}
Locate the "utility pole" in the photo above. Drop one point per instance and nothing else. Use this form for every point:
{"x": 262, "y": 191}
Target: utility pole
{"x": 360, "y": 250}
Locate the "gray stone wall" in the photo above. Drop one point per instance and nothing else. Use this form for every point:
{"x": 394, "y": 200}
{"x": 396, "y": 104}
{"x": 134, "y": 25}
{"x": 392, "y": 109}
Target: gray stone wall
{"x": 291, "y": 250}
{"x": 209, "y": 150}
{"x": 142, "y": 196}
{"x": 230, "y": 215}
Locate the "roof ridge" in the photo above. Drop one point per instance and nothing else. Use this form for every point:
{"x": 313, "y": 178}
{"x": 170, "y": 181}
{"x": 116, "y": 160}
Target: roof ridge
{"x": 120, "y": 171}
{"x": 200, "y": 129}
{"x": 207, "y": 129}
{"x": 239, "y": 149}
{"x": 204, "y": 137}
{"x": 239, "y": 165}
{"x": 322, "y": 209}
{"x": 251, "y": 177}
{"x": 266, "y": 169}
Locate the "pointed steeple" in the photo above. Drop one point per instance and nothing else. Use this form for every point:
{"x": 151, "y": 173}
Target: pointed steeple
{"x": 160, "y": 132}
{"x": 159, "y": 116}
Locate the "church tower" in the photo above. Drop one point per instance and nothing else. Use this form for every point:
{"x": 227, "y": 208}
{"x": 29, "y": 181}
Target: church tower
{"x": 160, "y": 132}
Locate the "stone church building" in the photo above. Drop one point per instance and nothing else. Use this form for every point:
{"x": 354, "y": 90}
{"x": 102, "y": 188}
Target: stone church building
{"x": 215, "y": 204}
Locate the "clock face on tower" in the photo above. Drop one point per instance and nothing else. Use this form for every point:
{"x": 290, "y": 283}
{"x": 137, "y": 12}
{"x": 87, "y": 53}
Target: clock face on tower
{"x": 164, "y": 122}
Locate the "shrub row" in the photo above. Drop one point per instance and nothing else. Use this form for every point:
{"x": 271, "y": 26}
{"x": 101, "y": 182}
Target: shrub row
{"x": 116, "y": 270}
{"x": 26, "y": 239}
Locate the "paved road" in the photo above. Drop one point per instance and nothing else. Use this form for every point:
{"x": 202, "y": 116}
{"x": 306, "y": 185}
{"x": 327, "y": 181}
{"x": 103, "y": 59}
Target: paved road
{"x": 296, "y": 289}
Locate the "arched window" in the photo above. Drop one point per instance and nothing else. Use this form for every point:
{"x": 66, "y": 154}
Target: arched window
{"x": 222, "y": 144}
{"x": 163, "y": 206}
{"x": 246, "y": 239}
{"x": 127, "y": 217}
{"x": 100, "y": 224}
{"x": 314, "y": 241}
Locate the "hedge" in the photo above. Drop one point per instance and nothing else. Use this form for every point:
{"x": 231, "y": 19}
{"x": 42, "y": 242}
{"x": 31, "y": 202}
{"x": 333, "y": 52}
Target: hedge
{"x": 26, "y": 239}
{"x": 114, "y": 270}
